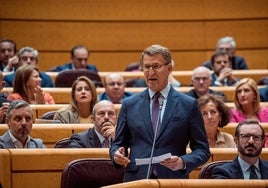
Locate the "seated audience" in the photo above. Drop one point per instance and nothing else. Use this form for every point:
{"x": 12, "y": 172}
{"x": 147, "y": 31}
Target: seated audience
{"x": 223, "y": 72}
{"x": 201, "y": 80}
{"x": 247, "y": 102}
{"x": 8, "y": 49}
{"x": 19, "y": 120}
{"x": 114, "y": 85}
{"x": 216, "y": 114}
{"x": 264, "y": 94}
{"x": 28, "y": 55}
{"x": 249, "y": 139}
{"x": 84, "y": 97}
{"x": 4, "y": 103}
{"x": 79, "y": 60}
{"x": 228, "y": 44}
{"x": 27, "y": 86}
{"x": 100, "y": 136}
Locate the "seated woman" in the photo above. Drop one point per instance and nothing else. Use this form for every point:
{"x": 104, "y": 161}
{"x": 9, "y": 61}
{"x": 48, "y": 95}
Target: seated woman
{"x": 27, "y": 86}
{"x": 247, "y": 102}
{"x": 84, "y": 97}
{"x": 216, "y": 114}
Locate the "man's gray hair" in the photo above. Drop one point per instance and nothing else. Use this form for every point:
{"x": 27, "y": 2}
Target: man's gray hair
{"x": 16, "y": 104}
{"x": 28, "y": 49}
{"x": 227, "y": 39}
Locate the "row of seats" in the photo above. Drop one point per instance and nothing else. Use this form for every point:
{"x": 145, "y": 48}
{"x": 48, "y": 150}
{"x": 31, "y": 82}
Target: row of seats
{"x": 51, "y": 133}
{"x": 63, "y": 95}
{"x": 65, "y": 78}
{"x": 43, "y": 167}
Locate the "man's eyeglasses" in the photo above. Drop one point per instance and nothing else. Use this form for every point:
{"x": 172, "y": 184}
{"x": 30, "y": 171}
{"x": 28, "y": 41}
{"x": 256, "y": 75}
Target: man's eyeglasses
{"x": 155, "y": 67}
{"x": 115, "y": 83}
{"x": 246, "y": 137}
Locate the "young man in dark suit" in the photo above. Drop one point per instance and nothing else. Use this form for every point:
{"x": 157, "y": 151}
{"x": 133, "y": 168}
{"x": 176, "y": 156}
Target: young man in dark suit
{"x": 249, "y": 139}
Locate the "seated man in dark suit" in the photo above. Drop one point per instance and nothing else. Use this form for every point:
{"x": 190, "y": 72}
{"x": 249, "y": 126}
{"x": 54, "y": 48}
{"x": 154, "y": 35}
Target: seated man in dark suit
{"x": 19, "y": 120}
{"x": 201, "y": 80}
{"x": 249, "y": 139}
{"x": 100, "y": 136}
{"x": 114, "y": 85}
{"x": 228, "y": 44}
{"x": 223, "y": 72}
{"x": 8, "y": 49}
{"x": 4, "y": 103}
{"x": 28, "y": 55}
{"x": 79, "y": 60}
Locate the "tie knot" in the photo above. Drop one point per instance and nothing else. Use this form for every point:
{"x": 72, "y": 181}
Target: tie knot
{"x": 156, "y": 97}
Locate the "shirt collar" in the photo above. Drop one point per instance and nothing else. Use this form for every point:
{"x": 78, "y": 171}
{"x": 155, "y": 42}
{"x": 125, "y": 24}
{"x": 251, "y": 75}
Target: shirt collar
{"x": 164, "y": 92}
{"x": 245, "y": 165}
{"x": 15, "y": 140}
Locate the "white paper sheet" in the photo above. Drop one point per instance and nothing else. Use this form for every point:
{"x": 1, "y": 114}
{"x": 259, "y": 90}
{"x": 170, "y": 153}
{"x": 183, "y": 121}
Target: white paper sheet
{"x": 156, "y": 159}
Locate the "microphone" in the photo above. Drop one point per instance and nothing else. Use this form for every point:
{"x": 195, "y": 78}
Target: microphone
{"x": 161, "y": 102}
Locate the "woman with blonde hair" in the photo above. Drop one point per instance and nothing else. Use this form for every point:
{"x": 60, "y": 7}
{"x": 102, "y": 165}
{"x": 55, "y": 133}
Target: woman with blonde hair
{"x": 247, "y": 102}
{"x": 27, "y": 86}
{"x": 83, "y": 99}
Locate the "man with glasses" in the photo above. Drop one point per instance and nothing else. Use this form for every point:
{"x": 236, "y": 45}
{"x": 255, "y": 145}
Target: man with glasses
{"x": 249, "y": 139}
{"x": 101, "y": 135}
{"x": 223, "y": 72}
{"x": 28, "y": 55}
{"x": 114, "y": 85}
{"x": 228, "y": 44}
{"x": 158, "y": 121}
{"x": 79, "y": 60}
{"x": 201, "y": 80}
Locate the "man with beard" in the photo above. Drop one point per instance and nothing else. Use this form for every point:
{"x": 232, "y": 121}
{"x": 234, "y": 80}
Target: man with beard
{"x": 104, "y": 119}
{"x": 222, "y": 67}
{"x": 19, "y": 119}
{"x": 249, "y": 139}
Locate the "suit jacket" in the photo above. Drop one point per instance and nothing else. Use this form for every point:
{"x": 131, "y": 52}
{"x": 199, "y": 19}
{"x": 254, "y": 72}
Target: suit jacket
{"x": 238, "y": 63}
{"x": 264, "y": 94}
{"x": 6, "y": 142}
{"x": 46, "y": 80}
{"x": 69, "y": 66}
{"x": 103, "y": 96}
{"x": 182, "y": 123}
{"x": 86, "y": 139}
{"x": 67, "y": 115}
{"x": 233, "y": 170}
{"x": 193, "y": 94}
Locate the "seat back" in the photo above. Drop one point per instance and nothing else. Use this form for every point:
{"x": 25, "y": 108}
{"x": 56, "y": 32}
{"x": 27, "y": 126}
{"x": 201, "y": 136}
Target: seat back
{"x": 206, "y": 171}
{"x": 48, "y": 115}
{"x": 62, "y": 143}
{"x": 84, "y": 173}
{"x": 67, "y": 77}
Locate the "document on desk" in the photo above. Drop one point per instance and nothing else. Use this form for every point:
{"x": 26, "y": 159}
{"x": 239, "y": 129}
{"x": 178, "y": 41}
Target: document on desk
{"x": 156, "y": 159}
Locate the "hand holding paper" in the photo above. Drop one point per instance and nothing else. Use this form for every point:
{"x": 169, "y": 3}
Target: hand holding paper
{"x": 156, "y": 159}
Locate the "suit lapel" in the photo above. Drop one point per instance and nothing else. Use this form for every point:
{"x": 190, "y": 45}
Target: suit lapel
{"x": 171, "y": 103}
{"x": 145, "y": 109}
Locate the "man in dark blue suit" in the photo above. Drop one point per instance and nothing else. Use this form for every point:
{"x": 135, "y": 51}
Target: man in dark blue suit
{"x": 264, "y": 94}
{"x": 181, "y": 124}
{"x": 28, "y": 55}
{"x": 249, "y": 138}
{"x": 104, "y": 119}
{"x": 114, "y": 85}
{"x": 228, "y": 44}
{"x": 79, "y": 57}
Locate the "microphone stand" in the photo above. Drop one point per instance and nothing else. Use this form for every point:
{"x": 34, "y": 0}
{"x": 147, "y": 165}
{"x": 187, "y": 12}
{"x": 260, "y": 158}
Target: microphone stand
{"x": 161, "y": 102}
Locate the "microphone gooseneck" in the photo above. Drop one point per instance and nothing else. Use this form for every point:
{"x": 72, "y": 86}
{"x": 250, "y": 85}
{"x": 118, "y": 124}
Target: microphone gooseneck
{"x": 161, "y": 102}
